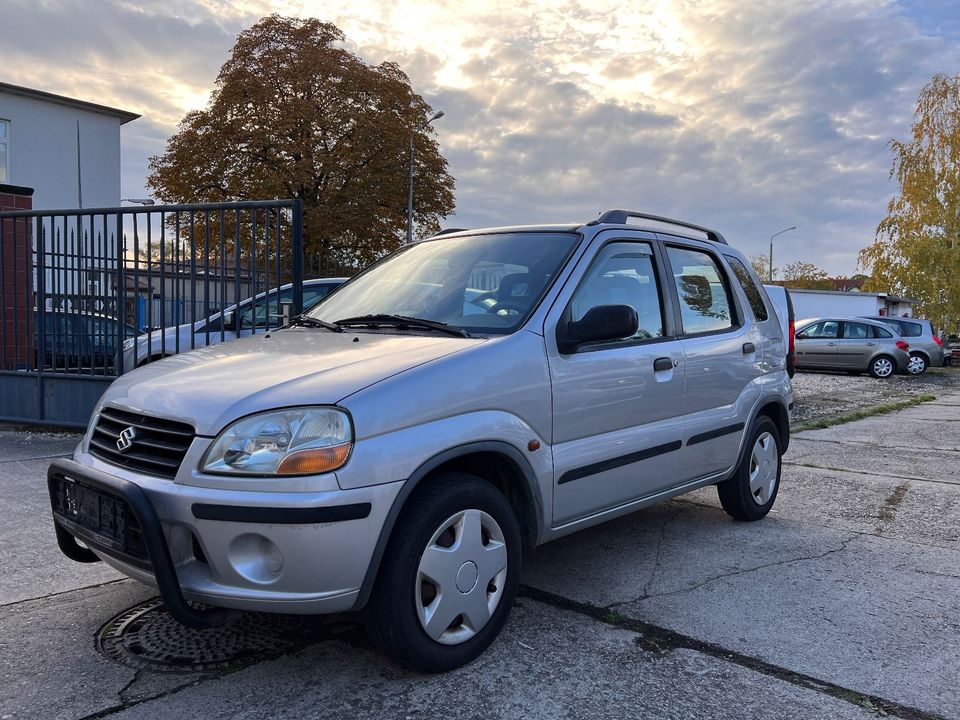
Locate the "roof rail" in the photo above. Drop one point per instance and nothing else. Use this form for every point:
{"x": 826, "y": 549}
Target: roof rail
{"x": 620, "y": 217}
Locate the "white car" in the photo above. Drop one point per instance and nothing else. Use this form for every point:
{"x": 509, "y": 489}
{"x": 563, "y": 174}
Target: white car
{"x": 255, "y": 314}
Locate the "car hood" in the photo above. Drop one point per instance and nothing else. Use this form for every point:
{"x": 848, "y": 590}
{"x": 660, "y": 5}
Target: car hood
{"x": 212, "y": 386}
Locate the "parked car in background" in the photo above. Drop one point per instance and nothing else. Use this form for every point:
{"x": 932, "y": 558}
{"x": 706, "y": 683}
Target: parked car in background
{"x": 855, "y": 345}
{"x": 397, "y": 452}
{"x": 780, "y": 297}
{"x": 255, "y": 314}
{"x": 951, "y": 350}
{"x": 75, "y": 340}
{"x": 926, "y": 347}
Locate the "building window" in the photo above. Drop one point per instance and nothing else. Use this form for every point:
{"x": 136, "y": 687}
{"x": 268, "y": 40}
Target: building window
{"x": 4, "y": 151}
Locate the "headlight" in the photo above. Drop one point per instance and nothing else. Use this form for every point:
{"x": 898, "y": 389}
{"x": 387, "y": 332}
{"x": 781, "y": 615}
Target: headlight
{"x": 128, "y": 344}
{"x": 295, "y": 441}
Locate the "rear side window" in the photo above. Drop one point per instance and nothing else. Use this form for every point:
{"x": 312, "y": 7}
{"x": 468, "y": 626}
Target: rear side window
{"x": 704, "y": 294}
{"x": 911, "y": 329}
{"x": 855, "y": 331}
{"x": 750, "y": 287}
{"x": 879, "y": 332}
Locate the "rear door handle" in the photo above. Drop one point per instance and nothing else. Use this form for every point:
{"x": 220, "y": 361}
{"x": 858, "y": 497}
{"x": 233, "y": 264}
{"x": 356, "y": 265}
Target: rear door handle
{"x": 831, "y": 344}
{"x": 749, "y": 348}
{"x": 661, "y": 364}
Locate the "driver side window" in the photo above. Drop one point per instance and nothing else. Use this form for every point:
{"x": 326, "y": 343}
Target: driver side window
{"x": 623, "y": 273}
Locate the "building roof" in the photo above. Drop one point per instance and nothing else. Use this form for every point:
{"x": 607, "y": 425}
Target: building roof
{"x": 123, "y": 115}
{"x": 854, "y": 293}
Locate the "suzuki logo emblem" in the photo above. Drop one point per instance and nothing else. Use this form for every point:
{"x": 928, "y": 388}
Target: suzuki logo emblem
{"x": 125, "y": 441}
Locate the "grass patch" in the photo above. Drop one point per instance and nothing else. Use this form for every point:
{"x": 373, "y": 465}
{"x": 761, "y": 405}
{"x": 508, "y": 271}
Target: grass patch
{"x": 881, "y": 409}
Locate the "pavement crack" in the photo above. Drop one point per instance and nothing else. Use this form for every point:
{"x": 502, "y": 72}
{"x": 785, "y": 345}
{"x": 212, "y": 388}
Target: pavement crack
{"x": 122, "y": 693}
{"x": 745, "y": 571}
{"x": 38, "y": 457}
{"x": 661, "y": 639}
{"x": 66, "y": 592}
{"x": 676, "y": 511}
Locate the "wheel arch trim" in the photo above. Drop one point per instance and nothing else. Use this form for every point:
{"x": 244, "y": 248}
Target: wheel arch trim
{"x": 530, "y": 488}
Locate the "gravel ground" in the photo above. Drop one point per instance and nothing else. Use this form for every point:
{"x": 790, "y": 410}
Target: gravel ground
{"x": 821, "y": 394}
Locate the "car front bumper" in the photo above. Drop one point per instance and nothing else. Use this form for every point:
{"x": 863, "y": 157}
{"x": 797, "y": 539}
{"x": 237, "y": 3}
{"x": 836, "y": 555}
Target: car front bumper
{"x": 288, "y": 552}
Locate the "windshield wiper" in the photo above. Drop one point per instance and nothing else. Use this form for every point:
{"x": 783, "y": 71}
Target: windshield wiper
{"x": 307, "y": 321}
{"x": 402, "y": 321}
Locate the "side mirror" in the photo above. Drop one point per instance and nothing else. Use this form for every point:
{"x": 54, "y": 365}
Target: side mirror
{"x": 229, "y": 320}
{"x": 603, "y": 322}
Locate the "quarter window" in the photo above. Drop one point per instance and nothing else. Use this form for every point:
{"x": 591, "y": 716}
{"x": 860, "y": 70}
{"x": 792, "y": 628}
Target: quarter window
{"x": 623, "y": 274}
{"x": 4, "y": 151}
{"x": 879, "y": 332}
{"x": 704, "y": 294}
{"x": 750, "y": 287}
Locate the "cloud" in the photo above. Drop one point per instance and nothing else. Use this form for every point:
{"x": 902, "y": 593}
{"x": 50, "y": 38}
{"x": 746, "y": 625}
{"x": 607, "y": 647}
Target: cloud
{"x": 746, "y": 116}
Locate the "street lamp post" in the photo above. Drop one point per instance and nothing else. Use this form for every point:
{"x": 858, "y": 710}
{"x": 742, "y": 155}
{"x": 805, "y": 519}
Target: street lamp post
{"x": 770, "y": 257}
{"x": 436, "y": 116}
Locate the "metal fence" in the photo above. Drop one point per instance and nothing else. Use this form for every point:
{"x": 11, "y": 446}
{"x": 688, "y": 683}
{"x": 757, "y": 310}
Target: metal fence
{"x": 82, "y": 288}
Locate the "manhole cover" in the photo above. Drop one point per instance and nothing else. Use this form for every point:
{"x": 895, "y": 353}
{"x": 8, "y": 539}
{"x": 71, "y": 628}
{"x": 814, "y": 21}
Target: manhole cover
{"x": 146, "y": 636}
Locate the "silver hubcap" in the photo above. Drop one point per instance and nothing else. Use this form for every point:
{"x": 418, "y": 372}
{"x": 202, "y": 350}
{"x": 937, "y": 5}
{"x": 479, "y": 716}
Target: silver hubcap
{"x": 917, "y": 365}
{"x": 460, "y": 577}
{"x": 883, "y": 367}
{"x": 764, "y": 463}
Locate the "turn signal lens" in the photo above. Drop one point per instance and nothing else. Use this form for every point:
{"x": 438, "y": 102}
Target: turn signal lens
{"x": 902, "y": 345}
{"x": 314, "y": 461}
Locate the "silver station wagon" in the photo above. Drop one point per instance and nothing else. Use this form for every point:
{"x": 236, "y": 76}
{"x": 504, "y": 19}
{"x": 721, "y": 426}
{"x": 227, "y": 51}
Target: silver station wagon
{"x": 399, "y": 448}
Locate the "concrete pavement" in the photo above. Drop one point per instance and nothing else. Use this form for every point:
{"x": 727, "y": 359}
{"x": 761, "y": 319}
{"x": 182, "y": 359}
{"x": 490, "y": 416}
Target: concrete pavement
{"x": 844, "y": 602}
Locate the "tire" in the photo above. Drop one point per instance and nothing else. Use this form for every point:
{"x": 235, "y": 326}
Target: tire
{"x": 440, "y": 516}
{"x": 750, "y": 492}
{"x": 918, "y": 364}
{"x": 883, "y": 367}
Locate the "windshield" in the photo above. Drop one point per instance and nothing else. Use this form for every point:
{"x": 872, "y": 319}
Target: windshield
{"x": 481, "y": 283}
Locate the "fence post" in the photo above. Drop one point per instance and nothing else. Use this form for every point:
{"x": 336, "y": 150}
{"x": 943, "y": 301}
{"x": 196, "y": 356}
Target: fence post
{"x": 121, "y": 308}
{"x": 297, "y": 243}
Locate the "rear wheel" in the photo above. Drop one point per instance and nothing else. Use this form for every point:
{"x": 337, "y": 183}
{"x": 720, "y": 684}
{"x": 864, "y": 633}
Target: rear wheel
{"x": 917, "y": 365}
{"x": 751, "y": 491}
{"x": 882, "y": 367}
{"x": 449, "y": 576}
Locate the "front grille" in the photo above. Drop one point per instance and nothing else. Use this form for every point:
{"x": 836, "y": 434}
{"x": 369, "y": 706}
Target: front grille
{"x": 156, "y": 448}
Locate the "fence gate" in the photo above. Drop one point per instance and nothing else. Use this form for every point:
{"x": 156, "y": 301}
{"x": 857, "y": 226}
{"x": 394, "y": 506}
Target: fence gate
{"x": 82, "y": 290}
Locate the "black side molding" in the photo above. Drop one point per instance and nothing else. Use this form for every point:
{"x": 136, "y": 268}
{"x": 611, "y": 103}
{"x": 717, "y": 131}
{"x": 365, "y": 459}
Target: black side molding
{"x": 279, "y": 515}
{"x": 713, "y": 434}
{"x": 613, "y": 463}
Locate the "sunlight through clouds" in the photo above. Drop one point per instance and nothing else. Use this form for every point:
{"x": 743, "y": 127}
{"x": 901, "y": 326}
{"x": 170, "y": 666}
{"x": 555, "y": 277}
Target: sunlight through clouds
{"x": 748, "y": 116}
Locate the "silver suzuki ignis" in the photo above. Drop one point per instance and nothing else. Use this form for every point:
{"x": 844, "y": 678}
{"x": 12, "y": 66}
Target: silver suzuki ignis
{"x": 398, "y": 448}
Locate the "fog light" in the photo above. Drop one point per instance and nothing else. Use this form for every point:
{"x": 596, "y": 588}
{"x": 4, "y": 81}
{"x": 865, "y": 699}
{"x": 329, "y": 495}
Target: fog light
{"x": 255, "y": 558}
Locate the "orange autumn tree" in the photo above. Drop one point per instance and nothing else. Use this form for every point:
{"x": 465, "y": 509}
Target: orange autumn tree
{"x": 295, "y": 115}
{"x": 917, "y": 248}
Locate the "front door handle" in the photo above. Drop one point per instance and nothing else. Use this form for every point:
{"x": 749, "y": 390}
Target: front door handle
{"x": 749, "y": 348}
{"x": 831, "y": 344}
{"x": 661, "y": 364}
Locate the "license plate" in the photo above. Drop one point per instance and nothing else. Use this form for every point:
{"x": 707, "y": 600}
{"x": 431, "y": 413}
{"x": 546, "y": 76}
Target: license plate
{"x": 104, "y": 516}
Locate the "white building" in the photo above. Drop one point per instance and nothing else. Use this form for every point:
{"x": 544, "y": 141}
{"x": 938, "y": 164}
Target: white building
{"x": 67, "y": 150}
{"x": 824, "y": 303}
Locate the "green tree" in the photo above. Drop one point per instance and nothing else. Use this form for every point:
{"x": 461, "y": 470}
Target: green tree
{"x": 295, "y": 115}
{"x": 806, "y": 275}
{"x": 916, "y": 250}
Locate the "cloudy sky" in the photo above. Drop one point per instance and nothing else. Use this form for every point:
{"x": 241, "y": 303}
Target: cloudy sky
{"x": 746, "y": 115}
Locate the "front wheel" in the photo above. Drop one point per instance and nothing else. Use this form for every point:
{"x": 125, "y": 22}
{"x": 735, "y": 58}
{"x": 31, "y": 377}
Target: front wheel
{"x": 449, "y": 576}
{"x": 751, "y": 491}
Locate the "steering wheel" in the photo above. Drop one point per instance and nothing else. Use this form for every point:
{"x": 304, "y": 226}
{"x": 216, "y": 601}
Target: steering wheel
{"x": 508, "y": 305}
